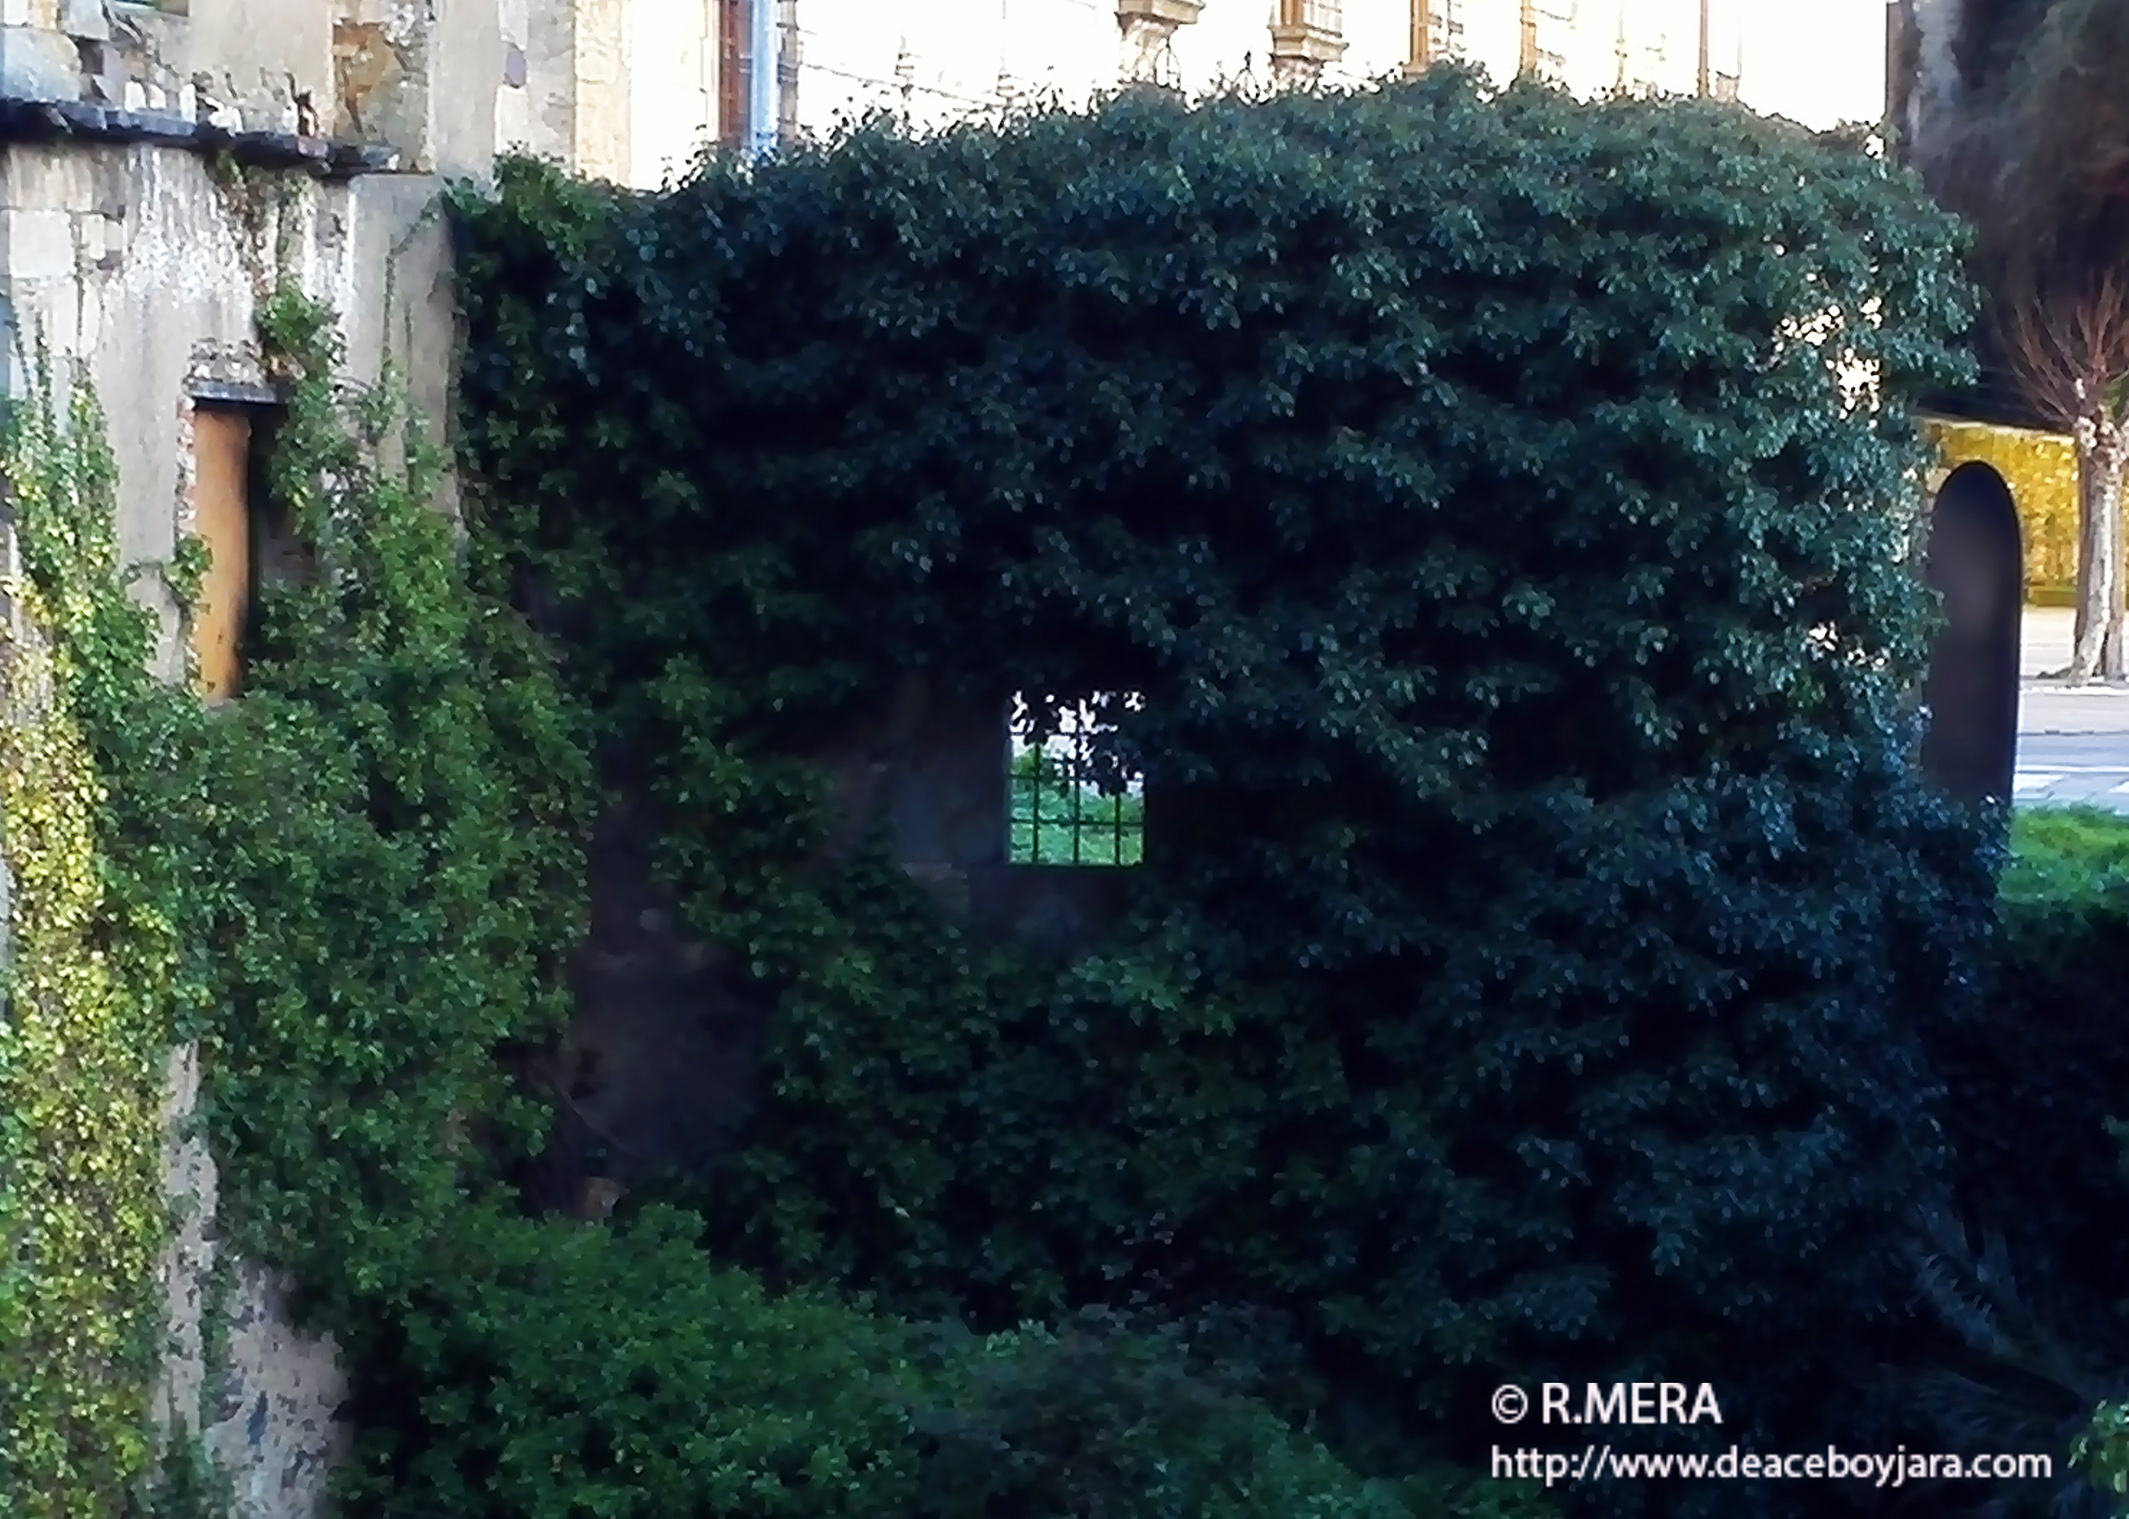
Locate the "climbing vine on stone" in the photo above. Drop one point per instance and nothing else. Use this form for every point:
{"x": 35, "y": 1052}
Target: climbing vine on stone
{"x": 355, "y": 888}
{"x": 90, "y": 993}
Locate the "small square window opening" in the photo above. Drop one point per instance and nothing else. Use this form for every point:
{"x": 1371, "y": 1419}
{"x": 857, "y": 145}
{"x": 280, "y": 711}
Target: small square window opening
{"x": 1073, "y": 802}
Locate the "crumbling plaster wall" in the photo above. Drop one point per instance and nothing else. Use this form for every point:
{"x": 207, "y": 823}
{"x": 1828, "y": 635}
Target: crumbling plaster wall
{"x": 246, "y": 64}
{"x": 270, "y": 59}
{"x": 422, "y": 77}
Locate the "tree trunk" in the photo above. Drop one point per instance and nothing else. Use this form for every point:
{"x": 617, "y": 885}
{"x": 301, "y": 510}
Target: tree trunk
{"x": 2099, "y": 552}
{"x": 2110, "y": 452}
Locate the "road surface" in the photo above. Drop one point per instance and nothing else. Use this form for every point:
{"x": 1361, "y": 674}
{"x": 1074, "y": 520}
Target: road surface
{"x": 2073, "y": 743}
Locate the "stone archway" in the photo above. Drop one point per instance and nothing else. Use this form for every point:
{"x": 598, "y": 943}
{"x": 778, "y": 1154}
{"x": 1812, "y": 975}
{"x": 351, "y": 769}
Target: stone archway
{"x": 1975, "y": 559}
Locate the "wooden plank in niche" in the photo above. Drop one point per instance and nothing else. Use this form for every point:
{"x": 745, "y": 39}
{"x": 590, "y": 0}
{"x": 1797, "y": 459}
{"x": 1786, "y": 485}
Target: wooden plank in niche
{"x": 221, "y": 444}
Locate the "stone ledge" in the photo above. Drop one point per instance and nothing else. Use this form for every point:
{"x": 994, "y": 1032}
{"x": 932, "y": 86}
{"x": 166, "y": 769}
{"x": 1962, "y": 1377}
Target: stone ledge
{"x": 234, "y": 393}
{"x": 59, "y": 121}
{"x": 1174, "y": 12}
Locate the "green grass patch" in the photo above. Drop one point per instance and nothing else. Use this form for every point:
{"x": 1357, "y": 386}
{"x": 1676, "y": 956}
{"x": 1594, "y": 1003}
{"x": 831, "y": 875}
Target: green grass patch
{"x": 2066, "y": 854}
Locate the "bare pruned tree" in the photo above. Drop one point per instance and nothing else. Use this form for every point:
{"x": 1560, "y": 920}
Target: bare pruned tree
{"x": 2034, "y": 151}
{"x": 2068, "y": 344}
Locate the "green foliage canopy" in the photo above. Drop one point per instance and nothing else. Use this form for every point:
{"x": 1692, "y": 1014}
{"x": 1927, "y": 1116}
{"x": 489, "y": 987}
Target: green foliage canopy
{"x": 1540, "y": 907}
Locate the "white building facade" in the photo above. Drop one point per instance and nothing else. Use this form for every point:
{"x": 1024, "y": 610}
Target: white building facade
{"x": 636, "y": 88}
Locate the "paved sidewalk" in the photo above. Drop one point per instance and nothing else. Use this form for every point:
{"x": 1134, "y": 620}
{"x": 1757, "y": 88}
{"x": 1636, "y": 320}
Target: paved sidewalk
{"x": 2073, "y": 741}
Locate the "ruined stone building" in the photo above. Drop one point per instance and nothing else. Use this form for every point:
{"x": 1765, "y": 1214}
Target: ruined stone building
{"x": 631, "y": 89}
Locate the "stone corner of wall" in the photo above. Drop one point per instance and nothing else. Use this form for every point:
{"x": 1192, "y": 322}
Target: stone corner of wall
{"x": 274, "y": 1423}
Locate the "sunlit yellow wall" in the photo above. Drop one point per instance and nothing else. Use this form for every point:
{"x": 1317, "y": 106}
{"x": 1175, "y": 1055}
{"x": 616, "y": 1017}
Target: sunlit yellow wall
{"x": 2041, "y": 470}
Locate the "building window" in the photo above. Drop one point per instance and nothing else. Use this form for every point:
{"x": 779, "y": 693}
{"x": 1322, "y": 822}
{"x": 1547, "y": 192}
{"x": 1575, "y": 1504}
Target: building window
{"x": 733, "y": 50}
{"x": 1312, "y": 15}
{"x": 222, "y": 490}
{"x": 735, "y": 27}
{"x": 1073, "y": 800}
{"x": 1437, "y": 33}
{"x": 1307, "y": 37}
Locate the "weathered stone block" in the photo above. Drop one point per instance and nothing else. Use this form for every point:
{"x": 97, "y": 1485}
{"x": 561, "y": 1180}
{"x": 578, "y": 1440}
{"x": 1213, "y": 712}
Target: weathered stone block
{"x": 85, "y": 18}
{"x": 36, "y": 64}
{"x": 39, "y": 245}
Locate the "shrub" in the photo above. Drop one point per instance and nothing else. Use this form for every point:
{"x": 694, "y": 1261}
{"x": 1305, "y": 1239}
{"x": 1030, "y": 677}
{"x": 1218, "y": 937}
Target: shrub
{"x": 549, "y": 1370}
{"x": 1096, "y": 1419}
{"x": 2020, "y": 1264}
{"x": 2035, "y": 1071}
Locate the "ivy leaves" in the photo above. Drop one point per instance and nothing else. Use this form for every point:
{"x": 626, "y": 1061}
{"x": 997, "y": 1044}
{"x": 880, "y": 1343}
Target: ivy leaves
{"x": 1471, "y": 483}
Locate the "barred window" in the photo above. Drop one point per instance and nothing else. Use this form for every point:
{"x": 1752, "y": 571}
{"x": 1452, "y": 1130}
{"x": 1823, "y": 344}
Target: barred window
{"x": 1074, "y": 800}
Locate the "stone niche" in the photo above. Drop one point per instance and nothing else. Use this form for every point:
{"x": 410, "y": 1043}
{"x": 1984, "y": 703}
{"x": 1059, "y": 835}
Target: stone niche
{"x": 1975, "y": 561}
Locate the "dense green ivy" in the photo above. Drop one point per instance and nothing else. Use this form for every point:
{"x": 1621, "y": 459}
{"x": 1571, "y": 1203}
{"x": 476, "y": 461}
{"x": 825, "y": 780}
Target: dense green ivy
{"x": 354, "y": 888}
{"x": 395, "y": 806}
{"x": 1541, "y": 916}
{"x": 2035, "y": 1074}
{"x": 1542, "y": 928}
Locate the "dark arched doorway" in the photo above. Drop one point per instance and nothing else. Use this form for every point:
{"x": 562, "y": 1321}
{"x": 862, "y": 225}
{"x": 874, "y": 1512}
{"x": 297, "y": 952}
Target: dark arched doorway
{"x": 1976, "y": 559}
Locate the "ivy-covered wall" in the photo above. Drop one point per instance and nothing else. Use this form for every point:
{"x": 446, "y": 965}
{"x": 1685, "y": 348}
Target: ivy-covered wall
{"x": 192, "y": 253}
{"x": 1498, "y": 990}
{"x": 89, "y": 1003}
{"x": 342, "y": 891}
{"x": 1543, "y": 940}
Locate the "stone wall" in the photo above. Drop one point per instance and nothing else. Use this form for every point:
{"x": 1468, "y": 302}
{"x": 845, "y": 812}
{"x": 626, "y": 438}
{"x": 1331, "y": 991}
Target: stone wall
{"x": 660, "y": 1062}
{"x": 620, "y": 90}
{"x": 177, "y": 307}
{"x": 422, "y": 79}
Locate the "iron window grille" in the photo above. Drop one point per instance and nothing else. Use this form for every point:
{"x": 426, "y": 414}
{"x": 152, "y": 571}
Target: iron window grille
{"x": 1073, "y": 799}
